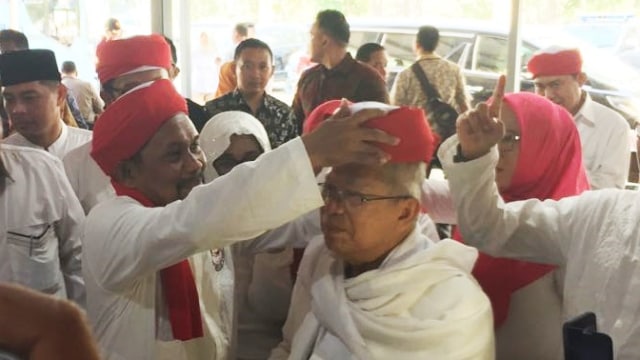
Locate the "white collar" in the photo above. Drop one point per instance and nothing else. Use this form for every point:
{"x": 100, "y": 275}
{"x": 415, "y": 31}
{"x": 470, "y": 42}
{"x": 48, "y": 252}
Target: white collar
{"x": 586, "y": 113}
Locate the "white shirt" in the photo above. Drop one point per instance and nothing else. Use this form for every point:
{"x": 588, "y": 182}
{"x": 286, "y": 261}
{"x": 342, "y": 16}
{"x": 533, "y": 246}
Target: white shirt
{"x": 69, "y": 139}
{"x": 40, "y": 237}
{"x": 604, "y": 135}
{"x": 126, "y": 244}
{"x": 421, "y": 303}
{"x": 90, "y": 184}
{"x": 594, "y": 236}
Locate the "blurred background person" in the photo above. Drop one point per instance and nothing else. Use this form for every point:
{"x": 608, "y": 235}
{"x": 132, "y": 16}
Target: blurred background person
{"x": 374, "y": 55}
{"x": 204, "y": 70}
{"x": 87, "y": 97}
{"x": 227, "y": 78}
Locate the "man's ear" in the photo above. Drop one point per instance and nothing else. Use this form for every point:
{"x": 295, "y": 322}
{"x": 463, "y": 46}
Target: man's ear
{"x": 409, "y": 211}
{"x": 126, "y": 173}
{"x": 62, "y": 95}
{"x": 174, "y": 72}
{"x": 581, "y": 78}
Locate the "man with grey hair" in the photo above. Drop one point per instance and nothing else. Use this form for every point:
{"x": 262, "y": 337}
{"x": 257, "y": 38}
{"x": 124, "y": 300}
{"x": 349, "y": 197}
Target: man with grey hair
{"x": 373, "y": 286}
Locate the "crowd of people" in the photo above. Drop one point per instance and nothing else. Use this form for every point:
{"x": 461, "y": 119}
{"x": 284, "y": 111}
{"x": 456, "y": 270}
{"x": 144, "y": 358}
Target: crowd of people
{"x": 247, "y": 228}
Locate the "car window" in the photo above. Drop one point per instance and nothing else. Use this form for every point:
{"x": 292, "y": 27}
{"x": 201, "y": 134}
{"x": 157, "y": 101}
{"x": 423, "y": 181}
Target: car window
{"x": 400, "y": 48}
{"x": 491, "y": 54}
{"x": 359, "y": 37}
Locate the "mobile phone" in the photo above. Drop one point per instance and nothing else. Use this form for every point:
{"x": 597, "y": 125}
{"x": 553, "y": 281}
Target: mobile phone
{"x": 582, "y": 341}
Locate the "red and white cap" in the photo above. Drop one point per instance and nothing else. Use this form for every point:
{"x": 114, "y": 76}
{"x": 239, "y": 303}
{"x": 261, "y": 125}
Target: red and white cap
{"x": 554, "y": 61}
{"x": 409, "y": 124}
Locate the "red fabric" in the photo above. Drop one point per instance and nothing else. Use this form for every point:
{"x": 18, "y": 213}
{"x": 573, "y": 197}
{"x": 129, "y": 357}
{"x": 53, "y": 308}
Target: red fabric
{"x": 417, "y": 141}
{"x": 564, "y": 62}
{"x": 128, "y": 123}
{"x": 178, "y": 285}
{"x": 549, "y": 167}
{"x": 117, "y": 57}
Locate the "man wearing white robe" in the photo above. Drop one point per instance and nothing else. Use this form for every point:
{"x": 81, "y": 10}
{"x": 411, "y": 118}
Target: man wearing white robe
{"x": 594, "y": 236}
{"x": 33, "y": 95}
{"x": 40, "y": 237}
{"x": 150, "y": 149}
{"x": 373, "y": 286}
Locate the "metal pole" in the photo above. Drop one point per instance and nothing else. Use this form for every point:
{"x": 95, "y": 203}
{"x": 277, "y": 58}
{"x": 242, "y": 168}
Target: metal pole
{"x": 514, "y": 49}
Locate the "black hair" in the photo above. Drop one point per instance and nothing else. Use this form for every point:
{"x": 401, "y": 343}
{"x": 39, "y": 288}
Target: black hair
{"x": 112, "y": 24}
{"x": 16, "y": 37}
{"x": 69, "y": 67}
{"x": 365, "y": 51}
{"x": 334, "y": 24}
{"x": 428, "y": 37}
{"x": 174, "y": 53}
{"x": 251, "y": 44}
{"x": 243, "y": 29}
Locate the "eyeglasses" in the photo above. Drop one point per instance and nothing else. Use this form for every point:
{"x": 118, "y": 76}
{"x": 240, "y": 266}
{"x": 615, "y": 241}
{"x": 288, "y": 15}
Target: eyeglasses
{"x": 508, "y": 142}
{"x": 352, "y": 199}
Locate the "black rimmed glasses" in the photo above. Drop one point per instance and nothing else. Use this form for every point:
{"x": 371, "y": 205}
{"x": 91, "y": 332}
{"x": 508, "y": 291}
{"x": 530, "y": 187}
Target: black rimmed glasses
{"x": 352, "y": 199}
{"x": 508, "y": 142}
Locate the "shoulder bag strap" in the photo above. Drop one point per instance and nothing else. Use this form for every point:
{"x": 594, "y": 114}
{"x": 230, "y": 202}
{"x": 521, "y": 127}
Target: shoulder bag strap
{"x": 428, "y": 89}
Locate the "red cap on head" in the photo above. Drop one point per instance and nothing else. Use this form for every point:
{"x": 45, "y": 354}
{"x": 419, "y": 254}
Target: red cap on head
{"x": 555, "y": 61}
{"x": 132, "y": 120}
{"x": 410, "y": 125}
{"x": 118, "y": 57}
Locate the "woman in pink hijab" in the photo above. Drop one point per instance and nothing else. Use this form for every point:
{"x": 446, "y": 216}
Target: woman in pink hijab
{"x": 540, "y": 157}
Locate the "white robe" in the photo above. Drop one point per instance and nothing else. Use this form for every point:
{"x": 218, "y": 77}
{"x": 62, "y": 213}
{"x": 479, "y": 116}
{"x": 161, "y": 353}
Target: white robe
{"x": 595, "y": 236}
{"x": 69, "y": 139}
{"x": 88, "y": 181}
{"x": 126, "y": 244}
{"x": 421, "y": 303}
{"x": 41, "y": 225}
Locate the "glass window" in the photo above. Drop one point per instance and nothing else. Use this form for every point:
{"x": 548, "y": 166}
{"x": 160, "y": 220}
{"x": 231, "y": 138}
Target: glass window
{"x": 491, "y": 54}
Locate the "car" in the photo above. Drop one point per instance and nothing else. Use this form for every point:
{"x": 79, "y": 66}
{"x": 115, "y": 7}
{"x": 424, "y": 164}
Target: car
{"x": 616, "y": 33}
{"x": 480, "y": 49}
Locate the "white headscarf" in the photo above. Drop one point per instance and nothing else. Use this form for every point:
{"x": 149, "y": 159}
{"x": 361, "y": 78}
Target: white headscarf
{"x": 215, "y": 137}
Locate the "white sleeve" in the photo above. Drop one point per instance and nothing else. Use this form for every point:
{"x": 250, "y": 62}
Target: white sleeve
{"x": 296, "y": 233}
{"x": 69, "y": 231}
{"x": 530, "y": 230}
{"x": 436, "y": 200}
{"x": 254, "y": 197}
{"x": 613, "y": 169}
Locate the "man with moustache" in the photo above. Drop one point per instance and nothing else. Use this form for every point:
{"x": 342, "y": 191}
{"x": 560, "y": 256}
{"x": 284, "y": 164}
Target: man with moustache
{"x": 147, "y": 251}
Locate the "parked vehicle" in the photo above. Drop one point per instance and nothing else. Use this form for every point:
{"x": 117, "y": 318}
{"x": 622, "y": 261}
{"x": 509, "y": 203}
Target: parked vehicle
{"x": 481, "y": 51}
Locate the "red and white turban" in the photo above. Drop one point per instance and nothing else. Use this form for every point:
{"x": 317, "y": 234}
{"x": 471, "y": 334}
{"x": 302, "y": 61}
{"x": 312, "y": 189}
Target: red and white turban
{"x": 410, "y": 125}
{"x": 554, "y": 61}
{"x": 132, "y": 120}
{"x": 125, "y": 56}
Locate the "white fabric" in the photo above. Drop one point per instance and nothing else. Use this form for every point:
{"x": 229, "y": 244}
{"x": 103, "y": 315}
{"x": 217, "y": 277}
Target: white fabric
{"x": 90, "y": 184}
{"x": 215, "y": 136}
{"x": 126, "y": 244}
{"x": 594, "y": 236}
{"x": 554, "y": 49}
{"x": 604, "y": 135}
{"x": 533, "y": 326}
{"x": 69, "y": 139}
{"x": 421, "y": 303}
{"x": 40, "y": 237}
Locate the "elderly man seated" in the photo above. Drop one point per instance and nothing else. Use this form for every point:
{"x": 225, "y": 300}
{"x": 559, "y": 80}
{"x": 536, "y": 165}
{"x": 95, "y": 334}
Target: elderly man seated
{"x": 374, "y": 287}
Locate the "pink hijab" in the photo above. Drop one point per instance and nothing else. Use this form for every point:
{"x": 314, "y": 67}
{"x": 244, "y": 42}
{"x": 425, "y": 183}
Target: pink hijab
{"x": 549, "y": 167}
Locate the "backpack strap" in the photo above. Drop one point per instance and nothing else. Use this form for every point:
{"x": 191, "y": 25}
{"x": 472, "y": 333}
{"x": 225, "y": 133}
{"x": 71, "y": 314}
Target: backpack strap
{"x": 427, "y": 88}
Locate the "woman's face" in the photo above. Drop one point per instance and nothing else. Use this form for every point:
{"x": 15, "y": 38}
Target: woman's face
{"x": 509, "y": 148}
